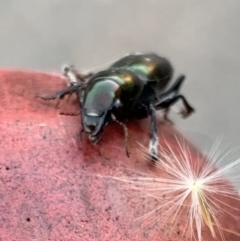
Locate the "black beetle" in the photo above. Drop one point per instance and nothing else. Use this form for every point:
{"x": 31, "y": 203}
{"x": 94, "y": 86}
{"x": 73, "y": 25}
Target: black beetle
{"x": 132, "y": 87}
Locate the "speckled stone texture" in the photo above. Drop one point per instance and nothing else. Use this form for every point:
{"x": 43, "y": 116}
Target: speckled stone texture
{"x": 53, "y": 186}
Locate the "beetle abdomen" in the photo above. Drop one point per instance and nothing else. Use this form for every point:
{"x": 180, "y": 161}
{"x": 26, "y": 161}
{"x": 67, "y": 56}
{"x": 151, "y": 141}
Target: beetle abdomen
{"x": 153, "y": 67}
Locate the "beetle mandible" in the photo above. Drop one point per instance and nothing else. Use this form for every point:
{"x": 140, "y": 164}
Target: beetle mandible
{"x": 132, "y": 87}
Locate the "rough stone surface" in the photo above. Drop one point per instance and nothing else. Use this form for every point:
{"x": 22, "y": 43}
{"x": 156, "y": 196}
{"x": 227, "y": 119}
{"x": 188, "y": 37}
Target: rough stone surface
{"x": 54, "y": 187}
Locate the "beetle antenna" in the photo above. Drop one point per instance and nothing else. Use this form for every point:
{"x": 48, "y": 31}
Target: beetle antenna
{"x": 125, "y": 129}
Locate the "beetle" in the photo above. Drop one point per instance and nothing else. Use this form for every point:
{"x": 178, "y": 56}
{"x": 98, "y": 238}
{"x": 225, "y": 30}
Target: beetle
{"x": 133, "y": 87}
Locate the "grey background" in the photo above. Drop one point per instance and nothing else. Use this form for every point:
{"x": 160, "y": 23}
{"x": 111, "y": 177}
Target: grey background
{"x": 201, "y": 38}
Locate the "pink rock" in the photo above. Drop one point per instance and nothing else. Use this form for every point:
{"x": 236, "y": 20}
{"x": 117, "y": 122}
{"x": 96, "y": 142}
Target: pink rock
{"x": 53, "y": 187}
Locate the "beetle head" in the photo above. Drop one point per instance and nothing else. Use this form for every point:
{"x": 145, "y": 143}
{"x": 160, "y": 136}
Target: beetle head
{"x": 93, "y": 125}
{"x": 99, "y": 100}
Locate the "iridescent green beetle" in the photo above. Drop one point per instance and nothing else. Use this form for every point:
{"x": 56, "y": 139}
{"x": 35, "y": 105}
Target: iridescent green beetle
{"x": 132, "y": 87}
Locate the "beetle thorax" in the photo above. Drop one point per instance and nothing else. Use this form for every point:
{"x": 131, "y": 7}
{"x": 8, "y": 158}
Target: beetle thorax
{"x": 100, "y": 97}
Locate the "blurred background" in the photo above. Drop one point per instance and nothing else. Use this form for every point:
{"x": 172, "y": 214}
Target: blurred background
{"x": 201, "y": 38}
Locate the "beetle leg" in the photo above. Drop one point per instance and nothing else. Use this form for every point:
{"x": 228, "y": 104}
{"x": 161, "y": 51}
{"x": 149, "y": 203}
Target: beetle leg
{"x": 73, "y": 76}
{"x": 165, "y": 116}
{"x": 185, "y": 112}
{"x": 125, "y": 133}
{"x": 175, "y": 88}
{"x": 60, "y": 94}
{"x": 153, "y": 145}
{"x": 80, "y": 134}
{"x": 171, "y": 96}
